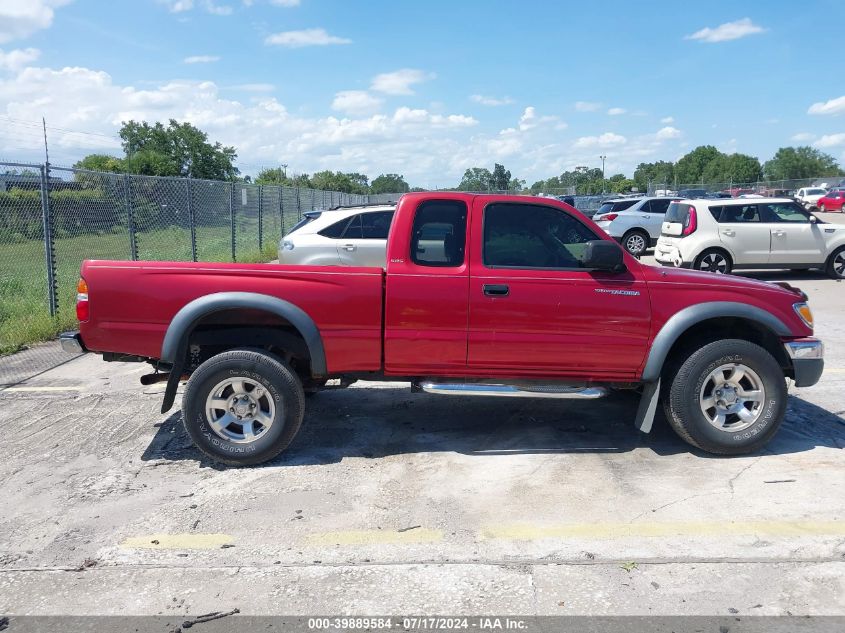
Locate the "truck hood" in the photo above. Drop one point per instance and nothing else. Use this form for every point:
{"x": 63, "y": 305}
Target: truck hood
{"x": 683, "y": 276}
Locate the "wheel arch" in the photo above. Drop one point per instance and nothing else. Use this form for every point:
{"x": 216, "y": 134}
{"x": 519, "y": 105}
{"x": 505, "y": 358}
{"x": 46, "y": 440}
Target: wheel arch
{"x": 710, "y": 318}
{"x": 175, "y": 344}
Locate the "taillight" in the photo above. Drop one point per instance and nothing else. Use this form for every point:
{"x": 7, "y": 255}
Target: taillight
{"x": 82, "y": 312}
{"x": 692, "y": 222}
{"x": 608, "y": 216}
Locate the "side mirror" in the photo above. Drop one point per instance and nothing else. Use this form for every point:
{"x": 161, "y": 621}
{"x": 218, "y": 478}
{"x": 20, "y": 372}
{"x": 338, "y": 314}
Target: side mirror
{"x": 603, "y": 255}
{"x": 813, "y": 219}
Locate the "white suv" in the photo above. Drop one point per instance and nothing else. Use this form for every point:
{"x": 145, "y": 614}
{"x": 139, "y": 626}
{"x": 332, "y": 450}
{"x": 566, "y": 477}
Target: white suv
{"x": 721, "y": 235}
{"x": 637, "y": 227}
{"x": 350, "y": 236}
{"x": 810, "y": 196}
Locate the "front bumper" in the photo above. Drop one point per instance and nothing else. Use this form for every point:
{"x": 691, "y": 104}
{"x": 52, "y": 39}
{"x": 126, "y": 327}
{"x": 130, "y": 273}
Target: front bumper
{"x": 807, "y": 356}
{"x": 71, "y": 343}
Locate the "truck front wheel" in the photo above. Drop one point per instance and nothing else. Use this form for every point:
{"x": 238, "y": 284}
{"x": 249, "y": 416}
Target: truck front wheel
{"x": 243, "y": 407}
{"x": 728, "y": 398}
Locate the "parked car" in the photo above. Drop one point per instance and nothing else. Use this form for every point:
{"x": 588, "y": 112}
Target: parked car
{"x": 692, "y": 193}
{"x": 637, "y": 227}
{"x": 488, "y": 295}
{"x": 350, "y": 236}
{"x": 809, "y": 196}
{"x": 720, "y": 236}
{"x": 615, "y": 205}
{"x": 832, "y": 201}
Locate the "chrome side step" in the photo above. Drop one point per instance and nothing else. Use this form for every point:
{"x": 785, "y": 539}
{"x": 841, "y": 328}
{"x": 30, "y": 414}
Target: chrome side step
{"x": 511, "y": 390}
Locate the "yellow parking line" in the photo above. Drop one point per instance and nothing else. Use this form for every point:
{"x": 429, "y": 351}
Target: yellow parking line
{"x": 375, "y": 537}
{"x": 37, "y": 389}
{"x": 177, "y": 541}
{"x": 528, "y": 532}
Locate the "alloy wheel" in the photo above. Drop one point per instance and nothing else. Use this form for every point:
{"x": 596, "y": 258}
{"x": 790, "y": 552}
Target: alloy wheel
{"x": 635, "y": 244}
{"x": 732, "y": 397}
{"x": 240, "y": 410}
{"x": 714, "y": 263}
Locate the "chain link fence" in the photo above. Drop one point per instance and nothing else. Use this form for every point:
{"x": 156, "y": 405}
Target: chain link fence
{"x": 52, "y": 218}
{"x": 734, "y": 189}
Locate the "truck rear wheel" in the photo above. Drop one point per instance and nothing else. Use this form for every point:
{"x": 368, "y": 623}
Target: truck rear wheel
{"x": 727, "y": 398}
{"x": 243, "y": 407}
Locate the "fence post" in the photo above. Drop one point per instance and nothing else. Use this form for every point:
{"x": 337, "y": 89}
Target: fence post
{"x": 260, "y": 220}
{"x": 191, "y": 219}
{"x": 130, "y": 217}
{"x": 232, "y": 217}
{"x": 47, "y": 227}
{"x": 281, "y": 211}
{"x": 298, "y": 205}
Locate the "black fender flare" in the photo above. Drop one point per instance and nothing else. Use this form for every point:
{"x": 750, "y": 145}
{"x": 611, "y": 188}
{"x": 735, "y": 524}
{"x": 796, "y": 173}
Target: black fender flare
{"x": 686, "y": 318}
{"x": 174, "y": 346}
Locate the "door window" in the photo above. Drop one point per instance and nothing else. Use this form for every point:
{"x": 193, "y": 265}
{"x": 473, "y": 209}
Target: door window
{"x": 336, "y": 231}
{"x": 532, "y": 236}
{"x": 438, "y": 237}
{"x": 646, "y": 207}
{"x": 375, "y": 226}
{"x": 739, "y": 214}
{"x": 660, "y": 206}
{"x": 785, "y": 212}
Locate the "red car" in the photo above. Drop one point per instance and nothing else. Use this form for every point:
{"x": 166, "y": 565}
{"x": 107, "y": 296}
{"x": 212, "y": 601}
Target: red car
{"x": 832, "y": 201}
{"x": 482, "y": 295}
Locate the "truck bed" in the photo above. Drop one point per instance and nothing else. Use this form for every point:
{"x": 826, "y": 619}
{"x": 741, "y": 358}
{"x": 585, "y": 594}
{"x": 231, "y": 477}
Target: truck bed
{"x": 132, "y": 303}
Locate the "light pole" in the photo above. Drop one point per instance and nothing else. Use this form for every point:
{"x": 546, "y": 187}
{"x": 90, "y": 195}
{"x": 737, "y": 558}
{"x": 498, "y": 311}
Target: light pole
{"x": 284, "y": 170}
{"x": 603, "y": 182}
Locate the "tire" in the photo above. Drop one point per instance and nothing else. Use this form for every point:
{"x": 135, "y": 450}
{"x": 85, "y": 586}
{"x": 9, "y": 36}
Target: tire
{"x": 714, "y": 260}
{"x": 636, "y": 242}
{"x": 835, "y": 268}
{"x": 251, "y": 380}
{"x": 697, "y": 383}
{"x": 821, "y": 208}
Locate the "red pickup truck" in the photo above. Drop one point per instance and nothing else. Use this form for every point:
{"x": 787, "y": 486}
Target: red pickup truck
{"x": 482, "y": 295}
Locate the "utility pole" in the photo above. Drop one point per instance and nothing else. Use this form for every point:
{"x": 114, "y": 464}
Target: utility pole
{"x": 603, "y": 158}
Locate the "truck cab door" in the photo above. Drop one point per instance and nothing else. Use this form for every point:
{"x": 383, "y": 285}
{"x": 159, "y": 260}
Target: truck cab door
{"x": 535, "y": 311}
{"x": 426, "y": 309}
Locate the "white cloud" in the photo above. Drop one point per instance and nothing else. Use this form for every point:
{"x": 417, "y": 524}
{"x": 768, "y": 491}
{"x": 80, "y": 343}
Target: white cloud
{"x": 727, "y": 31}
{"x": 830, "y": 140}
{"x": 608, "y": 139}
{"x": 587, "y": 106}
{"x": 18, "y": 58}
{"x": 802, "y": 137}
{"x": 355, "y": 102}
{"x": 491, "y": 101}
{"x": 400, "y": 81}
{"x": 667, "y": 133}
{"x": 616, "y": 111}
{"x": 178, "y": 6}
{"x": 667, "y": 120}
{"x": 22, "y": 18}
{"x": 201, "y": 59}
{"x": 254, "y": 87}
{"x": 833, "y": 106}
{"x": 285, "y": 3}
{"x": 306, "y": 37}
{"x": 218, "y": 9}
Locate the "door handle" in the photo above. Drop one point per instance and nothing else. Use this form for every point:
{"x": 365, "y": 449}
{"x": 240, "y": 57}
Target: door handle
{"x": 779, "y": 233}
{"x": 349, "y": 247}
{"x": 496, "y": 290}
{"x": 728, "y": 232}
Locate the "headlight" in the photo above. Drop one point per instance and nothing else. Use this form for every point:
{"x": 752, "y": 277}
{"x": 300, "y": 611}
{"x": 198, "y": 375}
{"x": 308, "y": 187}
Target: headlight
{"x": 287, "y": 245}
{"x": 803, "y": 311}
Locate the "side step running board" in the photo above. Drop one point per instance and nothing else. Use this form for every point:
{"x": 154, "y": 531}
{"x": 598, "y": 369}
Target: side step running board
{"x": 511, "y": 390}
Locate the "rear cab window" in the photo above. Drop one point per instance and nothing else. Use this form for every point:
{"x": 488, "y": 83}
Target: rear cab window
{"x": 438, "y": 236}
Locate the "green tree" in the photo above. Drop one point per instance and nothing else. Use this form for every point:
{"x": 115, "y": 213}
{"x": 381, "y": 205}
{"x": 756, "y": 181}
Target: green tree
{"x": 339, "y": 181}
{"x": 732, "y": 168}
{"x": 180, "y": 149}
{"x": 690, "y": 168}
{"x": 476, "y": 179}
{"x": 800, "y": 162}
{"x": 389, "y": 183}
{"x": 661, "y": 173}
{"x": 101, "y": 162}
{"x": 500, "y": 179}
{"x": 618, "y": 183}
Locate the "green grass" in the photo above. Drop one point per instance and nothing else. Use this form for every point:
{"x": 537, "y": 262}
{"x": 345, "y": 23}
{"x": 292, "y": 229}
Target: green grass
{"x": 24, "y": 308}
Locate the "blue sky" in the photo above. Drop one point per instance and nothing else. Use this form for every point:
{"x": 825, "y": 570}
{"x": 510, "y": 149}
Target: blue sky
{"x": 426, "y": 89}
